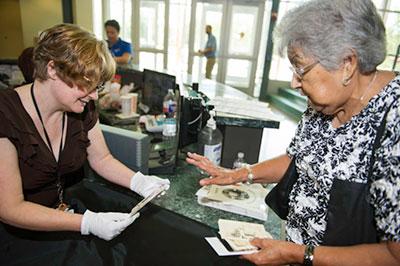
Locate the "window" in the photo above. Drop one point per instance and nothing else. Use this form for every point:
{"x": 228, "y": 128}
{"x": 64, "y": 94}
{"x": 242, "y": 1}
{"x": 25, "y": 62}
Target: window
{"x": 97, "y": 19}
{"x": 391, "y": 18}
{"x": 151, "y": 30}
{"x": 121, "y": 11}
{"x": 390, "y": 12}
{"x": 280, "y": 66}
{"x": 178, "y": 39}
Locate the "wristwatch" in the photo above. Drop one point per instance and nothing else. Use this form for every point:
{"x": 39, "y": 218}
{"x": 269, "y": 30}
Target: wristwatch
{"x": 308, "y": 255}
{"x": 250, "y": 176}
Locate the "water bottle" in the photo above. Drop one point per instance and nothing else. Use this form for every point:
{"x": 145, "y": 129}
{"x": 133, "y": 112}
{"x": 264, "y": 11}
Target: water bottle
{"x": 239, "y": 162}
{"x": 210, "y": 141}
{"x": 169, "y": 109}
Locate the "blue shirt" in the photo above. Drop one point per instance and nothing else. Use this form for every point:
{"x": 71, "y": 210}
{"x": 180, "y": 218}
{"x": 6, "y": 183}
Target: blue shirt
{"x": 211, "y": 43}
{"x": 119, "y": 48}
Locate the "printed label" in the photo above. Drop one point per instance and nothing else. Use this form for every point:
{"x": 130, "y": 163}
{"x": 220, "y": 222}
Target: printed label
{"x": 213, "y": 153}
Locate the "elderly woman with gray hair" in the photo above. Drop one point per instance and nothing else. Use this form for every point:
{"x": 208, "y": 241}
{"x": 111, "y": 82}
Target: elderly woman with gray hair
{"x": 346, "y": 150}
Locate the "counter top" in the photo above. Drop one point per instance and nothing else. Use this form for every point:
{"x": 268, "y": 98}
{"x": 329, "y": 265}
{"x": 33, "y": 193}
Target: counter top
{"x": 181, "y": 197}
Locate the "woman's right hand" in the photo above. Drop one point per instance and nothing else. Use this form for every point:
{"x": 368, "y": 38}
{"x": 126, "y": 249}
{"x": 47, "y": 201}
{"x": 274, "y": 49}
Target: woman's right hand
{"x": 218, "y": 175}
{"x": 106, "y": 225}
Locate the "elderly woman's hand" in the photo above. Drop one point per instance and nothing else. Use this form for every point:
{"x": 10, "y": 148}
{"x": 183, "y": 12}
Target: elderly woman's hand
{"x": 218, "y": 175}
{"x": 275, "y": 252}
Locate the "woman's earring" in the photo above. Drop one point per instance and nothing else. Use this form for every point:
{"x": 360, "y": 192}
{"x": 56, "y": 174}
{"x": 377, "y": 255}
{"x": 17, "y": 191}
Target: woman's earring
{"x": 346, "y": 81}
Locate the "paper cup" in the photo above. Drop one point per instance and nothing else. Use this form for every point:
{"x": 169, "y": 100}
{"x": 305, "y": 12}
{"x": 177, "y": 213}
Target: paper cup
{"x": 126, "y": 105}
{"x": 134, "y": 101}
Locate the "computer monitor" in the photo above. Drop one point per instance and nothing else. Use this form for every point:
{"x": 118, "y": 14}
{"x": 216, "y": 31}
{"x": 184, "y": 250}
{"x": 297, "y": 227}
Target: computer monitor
{"x": 155, "y": 87}
{"x": 129, "y": 75}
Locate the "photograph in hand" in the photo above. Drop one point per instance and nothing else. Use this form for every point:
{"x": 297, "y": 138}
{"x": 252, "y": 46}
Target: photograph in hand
{"x": 146, "y": 200}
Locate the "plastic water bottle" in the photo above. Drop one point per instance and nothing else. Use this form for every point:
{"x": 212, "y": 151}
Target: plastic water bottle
{"x": 210, "y": 141}
{"x": 239, "y": 162}
{"x": 169, "y": 109}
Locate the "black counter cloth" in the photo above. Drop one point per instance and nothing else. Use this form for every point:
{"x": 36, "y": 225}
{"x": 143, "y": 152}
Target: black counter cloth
{"x": 157, "y": 237}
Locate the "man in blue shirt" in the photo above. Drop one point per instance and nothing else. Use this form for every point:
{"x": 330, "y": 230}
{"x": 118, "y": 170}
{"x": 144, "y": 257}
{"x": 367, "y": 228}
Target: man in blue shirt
{"x": 120, "y": 50}
{"x": 210, "y": 51}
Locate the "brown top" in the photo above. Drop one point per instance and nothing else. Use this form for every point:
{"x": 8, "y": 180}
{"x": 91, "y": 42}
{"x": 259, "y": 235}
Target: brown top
{"x": 36, "y": 162}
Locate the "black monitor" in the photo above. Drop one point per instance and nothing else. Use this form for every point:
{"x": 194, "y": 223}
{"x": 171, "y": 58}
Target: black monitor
{"x": 155, "y": 87}
{"x": 129, "y": 75}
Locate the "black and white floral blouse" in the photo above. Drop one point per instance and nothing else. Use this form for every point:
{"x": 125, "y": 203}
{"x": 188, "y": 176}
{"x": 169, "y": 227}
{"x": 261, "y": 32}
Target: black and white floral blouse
{"x": 324, "y": 153}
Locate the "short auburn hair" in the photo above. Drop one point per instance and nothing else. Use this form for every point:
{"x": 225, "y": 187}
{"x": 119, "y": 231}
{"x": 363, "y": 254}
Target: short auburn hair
{"x": 79, "y": 57}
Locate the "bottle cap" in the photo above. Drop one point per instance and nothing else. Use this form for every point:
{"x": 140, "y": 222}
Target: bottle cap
{"x": 211, "y": 123}
{"x": 195, "y": 87}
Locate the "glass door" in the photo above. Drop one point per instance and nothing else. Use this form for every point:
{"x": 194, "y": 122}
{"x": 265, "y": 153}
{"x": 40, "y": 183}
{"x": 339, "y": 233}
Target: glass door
{"x": 237, "y": 26}
{"x": 243, "y": 39}
{"x": 207, "y": 13}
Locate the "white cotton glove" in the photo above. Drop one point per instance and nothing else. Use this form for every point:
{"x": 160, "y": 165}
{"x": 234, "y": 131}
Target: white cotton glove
{"x": 144, "y": 185}
{"x": 106, "y": 225}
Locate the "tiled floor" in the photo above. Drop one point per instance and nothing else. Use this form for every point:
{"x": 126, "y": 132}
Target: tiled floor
{"x": 275, "y": 141}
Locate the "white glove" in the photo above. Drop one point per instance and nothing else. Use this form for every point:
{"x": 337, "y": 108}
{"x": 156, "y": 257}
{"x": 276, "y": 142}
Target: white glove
{"x": 106, "y": 225}
{"x": 144, "y": 185}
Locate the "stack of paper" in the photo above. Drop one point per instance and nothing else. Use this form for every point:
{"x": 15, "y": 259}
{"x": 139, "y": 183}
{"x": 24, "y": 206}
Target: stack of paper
{"x": 242, "y": 199}
{"x": 239, "y": 234}
{"x": 242, "y": 107}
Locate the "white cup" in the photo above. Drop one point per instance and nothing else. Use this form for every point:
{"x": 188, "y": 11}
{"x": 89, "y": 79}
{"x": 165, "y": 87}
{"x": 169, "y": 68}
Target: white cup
{"x": 134, "y": 101}
{"x": 126, "y": 105}
{"x": 114, "y": 91}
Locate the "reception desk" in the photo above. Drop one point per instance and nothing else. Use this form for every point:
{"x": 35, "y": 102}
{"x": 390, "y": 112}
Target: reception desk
{"x": 171, "y": 229}
{"x": 180, "y": 200}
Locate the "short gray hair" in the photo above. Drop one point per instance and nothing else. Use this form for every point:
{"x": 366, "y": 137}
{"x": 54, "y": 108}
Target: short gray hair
{"x": 328, "y": 30}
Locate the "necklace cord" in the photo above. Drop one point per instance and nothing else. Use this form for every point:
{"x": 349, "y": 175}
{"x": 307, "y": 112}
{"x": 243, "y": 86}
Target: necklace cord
{"x": 60, "y": 190}
{"x": 369, "y": 85}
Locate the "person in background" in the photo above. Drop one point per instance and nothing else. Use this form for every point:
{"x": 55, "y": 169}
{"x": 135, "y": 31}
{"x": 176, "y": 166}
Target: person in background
{"x": 120, "y": 50}
{"x": 48, "y": 130}
{"x": 334, "y": 47}
{"x": 210, "y": 51}
{"x": 25, "y": 64}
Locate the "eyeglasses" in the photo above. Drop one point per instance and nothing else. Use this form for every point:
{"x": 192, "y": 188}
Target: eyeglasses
{"x": 300, "y": 72}
{"x": 100, "y": 87}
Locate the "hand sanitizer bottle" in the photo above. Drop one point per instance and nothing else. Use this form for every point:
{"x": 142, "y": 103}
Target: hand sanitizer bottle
{"x": 210, "y": 141}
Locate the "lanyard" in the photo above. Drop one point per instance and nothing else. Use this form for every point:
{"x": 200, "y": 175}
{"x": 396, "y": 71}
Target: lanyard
{"x": 59, "y": 185}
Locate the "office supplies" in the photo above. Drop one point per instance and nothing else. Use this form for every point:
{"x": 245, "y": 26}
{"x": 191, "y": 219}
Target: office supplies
{"x": 152, "y": 123}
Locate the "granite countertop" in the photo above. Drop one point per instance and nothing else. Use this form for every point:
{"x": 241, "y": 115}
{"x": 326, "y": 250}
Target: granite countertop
{"x": 181, "y": 198}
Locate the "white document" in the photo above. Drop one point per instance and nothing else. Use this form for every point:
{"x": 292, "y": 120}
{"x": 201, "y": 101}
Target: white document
{"x": 248, "y": 108}
{"x": 221, "y": 250}
{"x": 239, "y": 234}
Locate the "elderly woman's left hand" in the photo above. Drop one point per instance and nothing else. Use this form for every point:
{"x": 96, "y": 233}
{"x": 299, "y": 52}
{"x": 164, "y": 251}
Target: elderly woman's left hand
{"x": 274, "y": 252}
